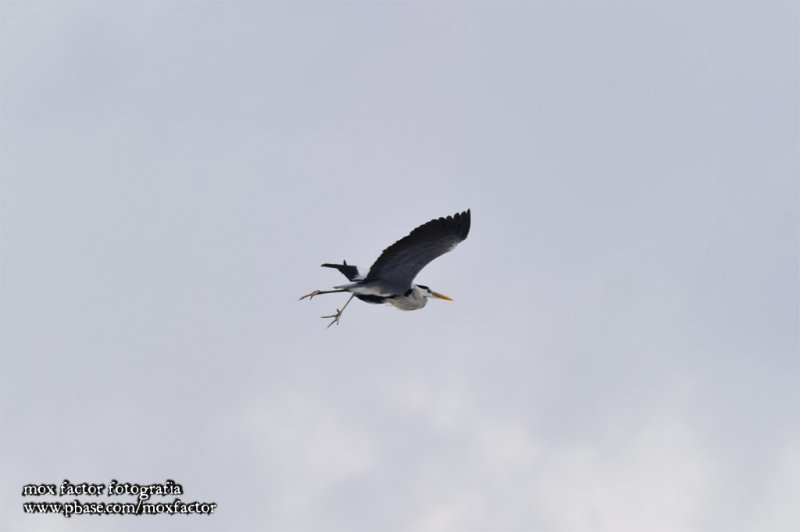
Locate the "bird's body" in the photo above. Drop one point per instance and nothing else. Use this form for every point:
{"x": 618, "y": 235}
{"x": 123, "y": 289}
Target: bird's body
{"x": 390, "y": 279}
{"x": 412, "y": 299}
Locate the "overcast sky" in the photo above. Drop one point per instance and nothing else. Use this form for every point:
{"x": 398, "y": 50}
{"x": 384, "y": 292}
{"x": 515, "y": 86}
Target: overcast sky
{"x": 622, "y": 348}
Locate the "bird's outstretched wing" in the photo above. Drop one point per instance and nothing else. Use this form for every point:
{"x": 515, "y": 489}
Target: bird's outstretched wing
{"x": 401, "y": 262}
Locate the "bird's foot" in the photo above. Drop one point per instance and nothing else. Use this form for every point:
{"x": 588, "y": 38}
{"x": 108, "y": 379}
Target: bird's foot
{"x": 311, "y": 295}
{"x": 335, "y": 317}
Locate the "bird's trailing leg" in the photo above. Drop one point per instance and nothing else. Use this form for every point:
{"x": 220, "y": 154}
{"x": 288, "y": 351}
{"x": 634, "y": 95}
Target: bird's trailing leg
{"x": 318, "y": 292}
{"x": 338, "y": 312}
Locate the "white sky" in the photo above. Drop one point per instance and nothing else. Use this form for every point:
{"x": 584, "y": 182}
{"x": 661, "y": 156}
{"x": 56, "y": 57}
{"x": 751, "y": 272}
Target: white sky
{"x": 622, "y": 351}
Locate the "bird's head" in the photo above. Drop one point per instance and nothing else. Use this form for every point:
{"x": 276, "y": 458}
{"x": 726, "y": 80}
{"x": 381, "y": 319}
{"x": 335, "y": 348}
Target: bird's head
{"x": 427, "y": 292}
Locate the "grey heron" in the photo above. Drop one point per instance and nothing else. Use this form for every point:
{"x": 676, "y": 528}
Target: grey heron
{"x": 390, "y": 279}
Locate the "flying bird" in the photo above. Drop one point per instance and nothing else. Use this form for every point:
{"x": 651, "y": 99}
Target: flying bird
{"x": 391, "y": 276}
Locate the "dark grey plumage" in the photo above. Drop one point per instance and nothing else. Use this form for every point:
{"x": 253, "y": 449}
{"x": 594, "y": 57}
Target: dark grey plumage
{"x": 400, "y": 263}
{"x": 351, "y": 272}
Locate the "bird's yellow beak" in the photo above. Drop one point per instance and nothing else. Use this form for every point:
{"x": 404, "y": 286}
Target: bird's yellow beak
{"x": 440, "y": 296}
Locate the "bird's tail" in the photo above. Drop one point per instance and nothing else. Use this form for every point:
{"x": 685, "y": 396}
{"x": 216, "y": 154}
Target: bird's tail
{"x": 351, "y": 272}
